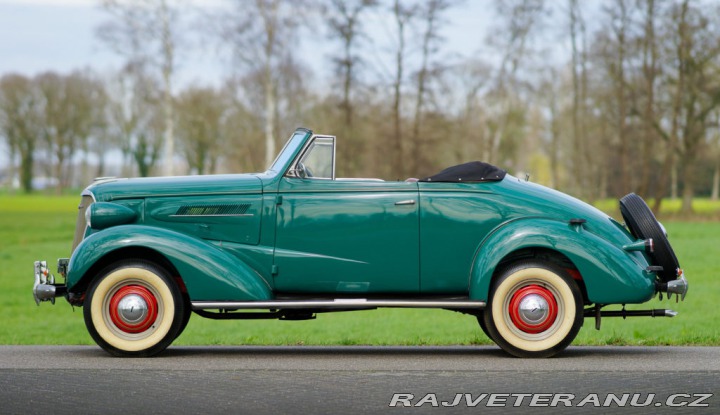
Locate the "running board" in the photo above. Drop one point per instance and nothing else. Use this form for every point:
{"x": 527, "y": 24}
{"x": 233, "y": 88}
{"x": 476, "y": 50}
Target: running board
{"x": 339, "y": 303}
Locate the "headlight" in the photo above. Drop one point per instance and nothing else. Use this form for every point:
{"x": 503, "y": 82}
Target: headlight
{"x": 101, "y": 215}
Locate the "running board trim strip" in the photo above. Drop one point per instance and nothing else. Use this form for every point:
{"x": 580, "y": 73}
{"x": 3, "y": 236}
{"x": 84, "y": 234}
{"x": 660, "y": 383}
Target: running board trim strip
{"x": 342, "y": 303}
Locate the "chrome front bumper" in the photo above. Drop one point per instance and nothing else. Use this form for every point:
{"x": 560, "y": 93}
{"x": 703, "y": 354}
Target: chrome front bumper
{"x": 44, "y": 288}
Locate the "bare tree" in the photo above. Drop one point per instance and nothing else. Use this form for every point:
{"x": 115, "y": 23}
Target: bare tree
{"x": 201, "y": 113}
{"x": 431, "y": 13}
{"x": 100, "y": 142}
{"x": 507, "y": 106}
{"x": 69, "y": 108}
{"x": 694, "y": 83}
{"x": 133, "y": 119}
{"x": 577, "y": 33}
{"x": 551, "y": 95}
{"x": 715, "y": 151}
{"x": 702, "y": 92}
{"x": 240, "y": 122}
{"x": 461, "y": 88}
{"x": 261, "y": 35}
{"x": 650, "y": 74}
{"x": 146, "y": 31}
{"x": 345, "y": 23}
{"x": 19, "y": 114}
{"x": 402, "y": 14}
{"x": 616, "y": 60}
{"x": 96, "y": 140}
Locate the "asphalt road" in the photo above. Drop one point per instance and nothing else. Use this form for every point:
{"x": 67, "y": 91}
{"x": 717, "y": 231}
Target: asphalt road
{"x": 344, "y": 380}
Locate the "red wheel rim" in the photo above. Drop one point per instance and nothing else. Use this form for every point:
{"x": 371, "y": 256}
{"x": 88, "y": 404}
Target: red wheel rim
{"x": 533, "y": 309}
{"x": 128, "y": 319}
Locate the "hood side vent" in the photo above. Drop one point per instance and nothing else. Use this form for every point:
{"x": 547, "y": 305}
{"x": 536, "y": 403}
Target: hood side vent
{"x": 213, "y": 210}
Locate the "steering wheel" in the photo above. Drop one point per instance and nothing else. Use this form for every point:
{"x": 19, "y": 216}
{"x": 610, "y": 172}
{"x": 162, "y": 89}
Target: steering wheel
{"x": 304, "y": 171}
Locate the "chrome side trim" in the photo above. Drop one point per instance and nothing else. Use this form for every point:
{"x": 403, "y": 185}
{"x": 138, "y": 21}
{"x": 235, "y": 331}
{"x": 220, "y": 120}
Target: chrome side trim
{"x": 358, "y": 179}
{"x": 341, "y": 303}
{"x": 212, "y": 216}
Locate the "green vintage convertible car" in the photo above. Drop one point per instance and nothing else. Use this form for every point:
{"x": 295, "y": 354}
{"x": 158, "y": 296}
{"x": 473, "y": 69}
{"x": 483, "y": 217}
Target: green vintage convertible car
{"x": 528, "y": 262}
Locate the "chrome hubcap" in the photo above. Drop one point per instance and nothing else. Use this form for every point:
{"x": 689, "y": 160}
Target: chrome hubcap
{"x": 132, "y": 308}
{"x": 533, "y": 309}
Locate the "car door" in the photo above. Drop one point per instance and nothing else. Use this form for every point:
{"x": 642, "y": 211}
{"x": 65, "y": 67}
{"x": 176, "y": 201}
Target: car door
{"x": 454, "y": 220}
{"x": 345, "y": 236}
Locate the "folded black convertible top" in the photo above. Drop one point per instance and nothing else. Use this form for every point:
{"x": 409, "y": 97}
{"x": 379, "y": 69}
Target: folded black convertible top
{"x": 474, "y": 171}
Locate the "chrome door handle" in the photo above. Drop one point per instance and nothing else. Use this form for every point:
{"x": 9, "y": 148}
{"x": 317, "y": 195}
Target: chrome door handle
{"x": 405, "y": 202}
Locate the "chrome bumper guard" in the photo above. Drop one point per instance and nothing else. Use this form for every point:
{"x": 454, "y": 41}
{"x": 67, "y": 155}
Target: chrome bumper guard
{"x": 44, "y": 288}
{"x": 678, "y": 287}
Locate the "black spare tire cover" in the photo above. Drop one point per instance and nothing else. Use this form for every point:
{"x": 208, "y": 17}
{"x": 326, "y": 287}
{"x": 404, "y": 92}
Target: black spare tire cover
{"x": 643, "y": 225}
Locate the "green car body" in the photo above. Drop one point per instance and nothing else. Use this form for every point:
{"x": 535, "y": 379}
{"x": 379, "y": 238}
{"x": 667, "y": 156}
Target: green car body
{"x": 287, "y": 234}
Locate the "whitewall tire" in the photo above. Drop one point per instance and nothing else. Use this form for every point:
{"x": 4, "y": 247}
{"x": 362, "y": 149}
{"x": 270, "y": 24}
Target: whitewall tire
{"x": 134, "y": 308}
{"x": 535, "y": 309}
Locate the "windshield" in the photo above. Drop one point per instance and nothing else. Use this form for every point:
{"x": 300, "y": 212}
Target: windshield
{"x": 284, "y": 157}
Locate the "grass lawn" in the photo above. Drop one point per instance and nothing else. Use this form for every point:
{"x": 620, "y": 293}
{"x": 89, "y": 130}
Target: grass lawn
{"x": 38, "y": 227}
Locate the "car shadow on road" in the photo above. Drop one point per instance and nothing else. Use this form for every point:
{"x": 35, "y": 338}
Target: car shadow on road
{"x": 572, "y": 352}
{"x": 449, "y": 351}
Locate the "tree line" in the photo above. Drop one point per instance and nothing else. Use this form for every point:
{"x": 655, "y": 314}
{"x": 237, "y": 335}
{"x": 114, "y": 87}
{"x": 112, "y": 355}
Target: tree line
{"x": 597, "y": 100}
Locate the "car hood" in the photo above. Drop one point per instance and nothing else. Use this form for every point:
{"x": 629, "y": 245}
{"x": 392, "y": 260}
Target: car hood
{"x": 116, "y": 189}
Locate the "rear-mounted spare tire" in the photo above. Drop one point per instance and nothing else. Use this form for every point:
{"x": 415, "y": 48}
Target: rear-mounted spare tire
{"x": 643, "y": 225}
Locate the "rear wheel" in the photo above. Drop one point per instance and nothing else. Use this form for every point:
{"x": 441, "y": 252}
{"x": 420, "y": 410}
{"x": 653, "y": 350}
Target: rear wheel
{"x": 535, "y": 310}
{"x": 134, "y": 309}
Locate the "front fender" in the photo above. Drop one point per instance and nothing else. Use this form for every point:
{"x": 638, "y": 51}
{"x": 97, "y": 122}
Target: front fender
{"x": 209, "y": 273}
{"x": 611, "y": 275}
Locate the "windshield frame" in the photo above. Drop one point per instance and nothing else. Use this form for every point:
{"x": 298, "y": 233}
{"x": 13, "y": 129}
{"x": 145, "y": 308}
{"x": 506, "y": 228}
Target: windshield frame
{"x": 288, "y": 152}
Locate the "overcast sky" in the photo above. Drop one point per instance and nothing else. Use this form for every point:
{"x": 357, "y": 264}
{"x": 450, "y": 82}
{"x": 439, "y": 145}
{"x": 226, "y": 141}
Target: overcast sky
{"x": 37, "y": 35}
{"x": 59, "y": 35}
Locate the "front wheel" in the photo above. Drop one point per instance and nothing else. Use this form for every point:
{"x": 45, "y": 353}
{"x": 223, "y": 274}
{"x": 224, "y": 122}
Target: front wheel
{"x": 535, "y": 310}
{"x": 483, "y": 326}
{"x": 134, "y": 309}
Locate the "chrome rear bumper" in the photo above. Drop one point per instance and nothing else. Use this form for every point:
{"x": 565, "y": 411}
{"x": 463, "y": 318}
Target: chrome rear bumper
{"x": 678, "y": 286}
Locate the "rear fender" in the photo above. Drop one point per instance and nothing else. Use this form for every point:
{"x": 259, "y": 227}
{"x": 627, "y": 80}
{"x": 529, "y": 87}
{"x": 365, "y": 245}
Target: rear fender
{"x": 209, "y": 273}
{"x": 611, "y": 275}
